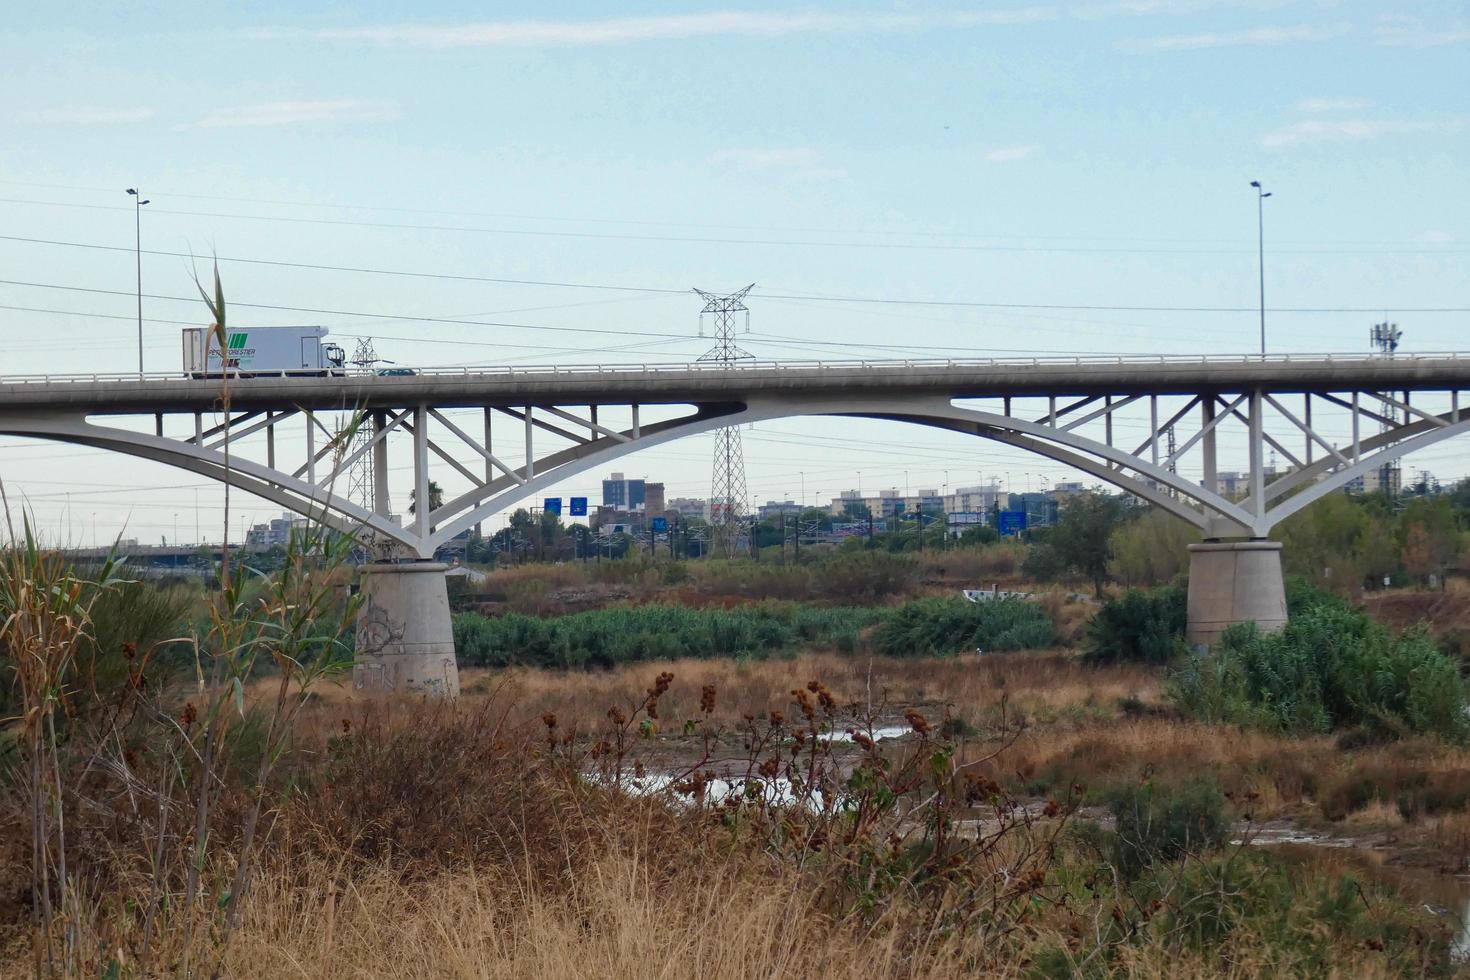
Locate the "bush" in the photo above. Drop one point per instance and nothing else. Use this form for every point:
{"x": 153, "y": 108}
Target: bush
{"x": 867, "y": 574}
{"x": 941, "y": 627}
{"x": 1140, "y": 627}
{"x": 1331, "y": 667}
{"x": 607, "y": 637}
{"x": 1157, "y": 823}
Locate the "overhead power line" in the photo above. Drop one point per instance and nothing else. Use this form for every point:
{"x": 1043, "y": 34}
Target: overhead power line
{"x": 586, "y": 219}
{"x": 710, "y": 240}
{"x": 351, "y": 313}
{"x": 669, "y": 291}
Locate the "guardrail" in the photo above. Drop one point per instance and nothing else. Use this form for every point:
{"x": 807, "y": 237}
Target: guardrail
{"x": 577, "y": 370}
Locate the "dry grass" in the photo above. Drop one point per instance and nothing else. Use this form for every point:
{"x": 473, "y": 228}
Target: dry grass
{"x": 618, "y": 923}
{"x": 1039, "y": 685}
{"x": 427, "y": 841}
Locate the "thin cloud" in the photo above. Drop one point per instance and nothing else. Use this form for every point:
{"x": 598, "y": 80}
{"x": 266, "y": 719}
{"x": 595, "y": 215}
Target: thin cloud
{"x": 1434, "y": 237}
{"x": 1332, "y": 105}
{"x": 627, "y": 30}
{"x": 293, "y": 113}
{"x": 1259, "y": 37}
{"x": 1356, "y": 130}
{"x": 1168, "y": 8}
{"x": 803, "y": 161}
{"x": 1009, "y": 154}
{"x": 88, "y": 116}
{"x": 1417, "y": 36}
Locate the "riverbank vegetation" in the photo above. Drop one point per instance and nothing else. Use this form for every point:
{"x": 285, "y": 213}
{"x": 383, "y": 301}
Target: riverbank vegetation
{"x": 720, "y": 769}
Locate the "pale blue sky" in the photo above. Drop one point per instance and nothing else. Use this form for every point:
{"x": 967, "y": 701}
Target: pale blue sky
{"x": 1085, "y": 154}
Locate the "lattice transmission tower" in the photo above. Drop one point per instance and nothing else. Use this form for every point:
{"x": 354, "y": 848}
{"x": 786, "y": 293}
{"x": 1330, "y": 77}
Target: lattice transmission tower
{"x": 1385, "y": 339}
{"x": 727, "y": 484}
{"x": 360, "y": 489}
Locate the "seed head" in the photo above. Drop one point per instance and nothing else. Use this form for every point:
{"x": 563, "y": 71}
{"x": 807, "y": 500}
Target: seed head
{"x": 916, "y": 721}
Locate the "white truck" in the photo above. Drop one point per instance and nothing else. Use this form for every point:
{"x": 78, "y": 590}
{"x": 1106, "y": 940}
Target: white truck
{"x": 255, "y": 351}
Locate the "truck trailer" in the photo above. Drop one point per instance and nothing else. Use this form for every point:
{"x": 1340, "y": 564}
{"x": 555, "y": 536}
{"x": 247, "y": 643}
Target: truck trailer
{"x": 256, "y": 351}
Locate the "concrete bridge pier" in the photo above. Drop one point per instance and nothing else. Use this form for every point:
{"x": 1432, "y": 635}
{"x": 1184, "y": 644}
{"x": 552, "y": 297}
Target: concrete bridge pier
{"x": 405, "y": 640}
{"x": 1234, "y": 582}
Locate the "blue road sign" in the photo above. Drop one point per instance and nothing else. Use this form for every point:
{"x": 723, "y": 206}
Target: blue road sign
{"x": 1012, "y": 522}
{"x": 552, "y": 505}
{"x": 660, "y": 525}
{"x": 579, "y": 506}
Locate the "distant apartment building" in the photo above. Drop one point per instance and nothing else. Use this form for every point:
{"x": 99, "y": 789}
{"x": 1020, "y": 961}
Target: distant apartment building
{"x": 977, "y": 499}
{"x": 887, "y": 503}
{"x": 275, "y": 533}
{"x": 624, "y": 494}
{"x": 1235, "y": 485}
{"x": 779, "y": 508}
{"x": 1384, "y": 479}
{"x": 689, "y": 508}
{"x": 653, "y": 498}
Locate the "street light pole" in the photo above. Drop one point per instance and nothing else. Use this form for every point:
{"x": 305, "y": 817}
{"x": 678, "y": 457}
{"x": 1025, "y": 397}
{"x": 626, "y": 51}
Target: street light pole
{"x": 138, "y": 202}
{"x": 1261, "y": 196}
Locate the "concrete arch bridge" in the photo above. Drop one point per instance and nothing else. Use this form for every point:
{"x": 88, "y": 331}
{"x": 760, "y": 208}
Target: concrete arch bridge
{"x": 1156, "y": 427}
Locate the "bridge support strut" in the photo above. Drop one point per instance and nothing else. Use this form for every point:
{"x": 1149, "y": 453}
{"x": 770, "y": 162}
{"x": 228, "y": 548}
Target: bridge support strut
{"x": 405, "y": 640}
{"x": 1234, "y": 582}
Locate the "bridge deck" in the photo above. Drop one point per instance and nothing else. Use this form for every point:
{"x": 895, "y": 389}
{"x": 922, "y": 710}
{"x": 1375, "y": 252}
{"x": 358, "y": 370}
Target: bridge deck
{"x": 709, "y": 383}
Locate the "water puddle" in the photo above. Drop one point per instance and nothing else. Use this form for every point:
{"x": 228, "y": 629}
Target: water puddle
{"x": 879, "y": 734}
{"x": 1275, "y": 833}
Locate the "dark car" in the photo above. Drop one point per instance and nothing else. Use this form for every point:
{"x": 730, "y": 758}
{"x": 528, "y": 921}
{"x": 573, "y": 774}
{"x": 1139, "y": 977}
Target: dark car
{"x": 396, "y": 372}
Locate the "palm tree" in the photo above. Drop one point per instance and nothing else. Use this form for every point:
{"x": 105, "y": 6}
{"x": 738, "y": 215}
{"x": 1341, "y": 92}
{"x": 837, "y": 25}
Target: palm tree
{"x": 436, "y": 498}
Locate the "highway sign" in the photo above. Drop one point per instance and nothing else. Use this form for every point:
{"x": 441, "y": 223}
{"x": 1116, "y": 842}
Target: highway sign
{"x": 1012, "y": 522}
{"x": 552, "y": 505}
{"x": 579, "y": 506}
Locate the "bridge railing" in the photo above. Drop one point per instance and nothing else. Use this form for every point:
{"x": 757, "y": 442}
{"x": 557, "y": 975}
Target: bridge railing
{"x": 752, "y": 364}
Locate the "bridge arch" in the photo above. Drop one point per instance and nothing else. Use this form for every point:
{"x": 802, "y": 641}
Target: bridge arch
{"x": 1202, "y": 506}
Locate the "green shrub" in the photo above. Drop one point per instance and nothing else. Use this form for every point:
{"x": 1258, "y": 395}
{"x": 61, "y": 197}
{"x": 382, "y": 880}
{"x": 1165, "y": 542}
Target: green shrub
{"x": 1140, "y": 627}
{"x": 1161, "y": 822}
{"x": 607, "y": 637}
{"x": 941, "y": 627}
{"x": 1331, "y": 667}
{"x": 867, "y": 574}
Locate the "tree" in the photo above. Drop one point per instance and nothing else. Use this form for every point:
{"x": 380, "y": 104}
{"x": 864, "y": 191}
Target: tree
{"x": 979, "y": 534}
{"x": 1431, "y": 535}
{"x": 1081, "y": 540}
{"x": 436, "y": 498}
{"x": 1325, "y": 541}
{"x": 1418, "y": 558}
{"x": 1151, "y": 550}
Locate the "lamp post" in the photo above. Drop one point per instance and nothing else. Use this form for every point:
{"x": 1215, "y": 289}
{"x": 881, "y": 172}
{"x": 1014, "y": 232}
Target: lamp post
{"x": 1261, "y": 196}
{"x": 138, "y": 202}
